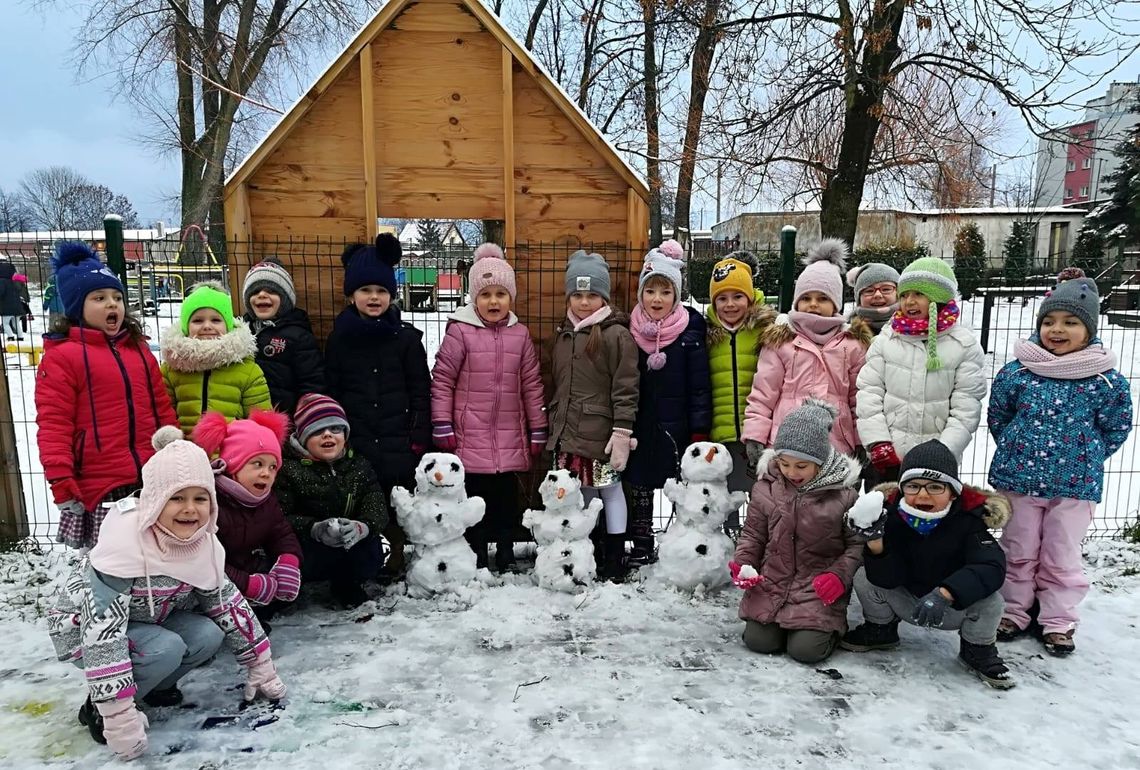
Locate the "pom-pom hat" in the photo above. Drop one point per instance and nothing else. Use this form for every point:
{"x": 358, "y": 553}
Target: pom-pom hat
{"x": 666, "y": 261}
{"x": 1076, "y": 294}
{"x": 236, "y": 443}
{"x": 372, "y": 264}
{"x": 825, "y": 263}
{"x": 79, "y": 272}
{"x": 490, "y": 269}
{"x": 271, "y": 276}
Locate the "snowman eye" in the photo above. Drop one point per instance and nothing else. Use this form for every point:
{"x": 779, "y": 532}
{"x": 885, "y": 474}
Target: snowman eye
{"x": 455, "y": 467}
{"x": 573, "y": 474}
{"x": 429, "y": 466}
{"x": 552, "y": 478}
{"x": 696, "y": 452}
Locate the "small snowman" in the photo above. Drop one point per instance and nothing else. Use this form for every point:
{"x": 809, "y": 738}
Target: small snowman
{"x": 435, "y": 519}
{"x": 694, "y": 552}
{"x": 562, "y": 530}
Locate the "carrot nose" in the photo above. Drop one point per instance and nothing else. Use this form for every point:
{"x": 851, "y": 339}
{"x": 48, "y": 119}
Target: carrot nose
{"x": 709, "y": 455}
{"x": 438, "y": 476}
{"x": 561, "y": 493}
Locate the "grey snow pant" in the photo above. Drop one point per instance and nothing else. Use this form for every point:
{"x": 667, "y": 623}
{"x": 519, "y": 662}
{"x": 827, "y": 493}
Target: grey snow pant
{"x": 977, "y": 624}
{"x": 802, "y": 645}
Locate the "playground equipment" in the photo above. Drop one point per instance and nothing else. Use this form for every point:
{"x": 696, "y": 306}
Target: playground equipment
{"x": 33, "y": 352}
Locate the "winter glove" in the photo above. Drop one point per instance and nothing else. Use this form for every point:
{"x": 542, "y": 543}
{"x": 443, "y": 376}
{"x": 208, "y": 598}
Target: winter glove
{"x": 828, "y": 587}
{"x": 327, "y": 532}
{"x": 261, "y": 589}
{"x": 124, "y": 727}
{"x": 443, "y": 436}
{"x": 64, "y": 491}
{"x": 930, "y": 609}
{"x": 352, "y": 532}
{"x": 619, "y": 446}
{"x": 537, "y": 441}
{"x": 754, "y": 449}
{"x": 261, "y": 679}
{"x": 72, "y": 507}
{"x": 883, "y": 457}
{"x": 744, "y": 576}
{"x": 288, "y": 574}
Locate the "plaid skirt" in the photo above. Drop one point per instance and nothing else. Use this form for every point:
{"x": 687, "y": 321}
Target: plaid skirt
{"x": 82, "y": 530}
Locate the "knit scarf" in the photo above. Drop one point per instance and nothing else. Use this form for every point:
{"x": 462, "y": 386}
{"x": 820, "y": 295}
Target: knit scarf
{"x": 652, "y": 335}
{"x": 922, "y": 522}
{"x": 599, "y": 315}
{"x": 240, "y": 494}
{"x": 920, "y": 327}
{"x": 876, "y": 317}
{"x": 817, "y": 328}
{"x": 1089, "y": 362}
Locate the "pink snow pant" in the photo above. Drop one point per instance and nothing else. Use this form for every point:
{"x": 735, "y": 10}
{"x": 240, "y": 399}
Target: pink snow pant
{"x": 1042, "y": 544}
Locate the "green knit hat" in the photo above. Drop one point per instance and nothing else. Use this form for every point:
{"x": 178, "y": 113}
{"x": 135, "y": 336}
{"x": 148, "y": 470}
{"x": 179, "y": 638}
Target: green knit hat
{"x": 208, "y": 294}
{"x": 935, "y": 280}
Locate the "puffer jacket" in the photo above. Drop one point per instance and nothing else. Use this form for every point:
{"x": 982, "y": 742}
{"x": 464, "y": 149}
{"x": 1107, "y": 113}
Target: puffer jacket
{"x": 98, "y": 402}
{"x": 592, "y": 396}
{"x": 793, "y": 535}
{"x": 217, "y": 375}
{"x": 253, "y": 536}
{"x": 793, "y": 369}
{"x": 733, "y": 356}
{"x": 486, "y": 383}
{"x": 901, "y": 402}
{"x": 9, "y": 292}
{"x": 289, "y": 357}
{"x": 674, "y": 403}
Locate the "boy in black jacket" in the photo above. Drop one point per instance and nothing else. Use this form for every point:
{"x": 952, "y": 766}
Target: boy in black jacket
{"x": 930, "y": 560}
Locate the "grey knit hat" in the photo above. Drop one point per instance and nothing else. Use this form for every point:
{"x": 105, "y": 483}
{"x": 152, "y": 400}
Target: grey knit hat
{"x": 931, "y": 460}
{"x": 588, "y": 272}
{"x": 272, "y": 276}
{"x": 862, "y": 276}
{"x": 806, "y": 432}
{"x": 1075, "y": 293}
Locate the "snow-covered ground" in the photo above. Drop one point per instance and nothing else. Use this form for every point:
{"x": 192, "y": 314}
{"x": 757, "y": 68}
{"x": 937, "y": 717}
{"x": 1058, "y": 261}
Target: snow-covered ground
{"x": 632, "y": 676}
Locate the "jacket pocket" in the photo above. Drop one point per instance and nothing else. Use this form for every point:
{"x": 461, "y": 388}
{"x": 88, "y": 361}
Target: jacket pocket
{"x": 77, "y": 446}
{"x": 597, "y": 421}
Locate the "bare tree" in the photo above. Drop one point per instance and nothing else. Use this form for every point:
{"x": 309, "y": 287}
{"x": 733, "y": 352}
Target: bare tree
{"x": 60, "y": 198}
{"x": 15, "y": 216}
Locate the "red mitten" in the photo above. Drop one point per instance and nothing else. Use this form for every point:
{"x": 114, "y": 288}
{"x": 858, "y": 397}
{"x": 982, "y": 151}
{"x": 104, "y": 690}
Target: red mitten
{"x": 261, "y": 589}
{"x": 884, "y": 457}
{"x": 828, "y": 587}
{"x": 537, "y": 441}
{"x": 63, "y": 490}
{"x": 288, "y": 574}
{"x": 744, "y": 576}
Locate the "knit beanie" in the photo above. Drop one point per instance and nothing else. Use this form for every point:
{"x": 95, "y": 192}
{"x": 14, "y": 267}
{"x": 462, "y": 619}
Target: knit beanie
{"x": 931, "y": 460}
{"x": 208, "y": 294}
{"x": 806, "y": 432}
{"x": 372, "y": 264}
{"x": 588, "y": 272}
{"x": 176, "y": 465}
{"x": 271, "y": 276}
{"x": 935, "y": 280}
{"x": 490, "y": 269}
{"x": 1074, "y": 294}
{"x": 666, "y": 261}
{"x": 861, "y": 277}
{"x": 314, "y": 413}
{"x": 79, "y": 272}
{"x": 239, "y": 441}
{"x": 733, "y": 273}
{"x": 825, "y": 264}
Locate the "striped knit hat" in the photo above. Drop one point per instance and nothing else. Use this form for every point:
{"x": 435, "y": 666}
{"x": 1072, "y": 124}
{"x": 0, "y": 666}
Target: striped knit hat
{"x": 935, "y": 280}
{"x": 272, "y": 276}
{"x": 314, "y": 413}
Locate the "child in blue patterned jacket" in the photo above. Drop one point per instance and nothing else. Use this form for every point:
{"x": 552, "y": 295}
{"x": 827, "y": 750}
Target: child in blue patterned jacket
{"x": 1057, "y": 413}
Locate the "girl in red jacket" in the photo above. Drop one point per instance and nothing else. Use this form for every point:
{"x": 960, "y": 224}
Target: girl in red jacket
{"x": 486, "y": 401}
{"x": 99, "y": 396}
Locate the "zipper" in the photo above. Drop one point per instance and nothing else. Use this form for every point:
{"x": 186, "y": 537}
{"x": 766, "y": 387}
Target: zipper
{"x": 348, "y": 507}
{"x": 205, "y": 391}
{"x": 498, "y": 389}
{"x": 130, "y": 407}
{"x": 735, "y": 386}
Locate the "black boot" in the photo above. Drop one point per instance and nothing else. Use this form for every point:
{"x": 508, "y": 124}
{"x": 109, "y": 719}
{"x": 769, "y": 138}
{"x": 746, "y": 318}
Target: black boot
{"x": 613, "y": 566}
{"x": 90, "y": 718}
{"x": 643, "y": 552}
{"x": 504, "y": 557}
{"x": 871, "y": 636}
{"x": 171, "y": 696}
{"x": 985, "y": 663}
{"x": 349, "y": 595}
{"x": 641, "y": 527}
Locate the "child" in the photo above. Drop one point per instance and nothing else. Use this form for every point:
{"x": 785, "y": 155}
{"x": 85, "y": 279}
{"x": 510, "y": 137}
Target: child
{"x": 795, "y": 540}
{"x": 333, "y": 501}
{"x": 11, "y": 307}
{"x": 207, "y": 360}
{"x": 876, "y": 293}
{"x": 99, "y": 397}
{"x": 376, "y": 367}
{"x": 1057, "y": 413}
{"x": 151, "y": 601}
{"x": 287, "y": 351}
{"x": 263, "y": 557}
{"x": 594, "y": 368}
{"x": 486, "y": 401}
{"x": 931, "y": 561}
{"x": 917, "y": 385}
{"x": 736, "y": 314}
{"x": 674, "y": 406}
{"x": 814, "y": 354}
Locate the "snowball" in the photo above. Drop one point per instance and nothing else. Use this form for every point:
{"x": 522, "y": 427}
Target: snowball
{"x": 866, "y": 510}
{"x": 748, "y": 571}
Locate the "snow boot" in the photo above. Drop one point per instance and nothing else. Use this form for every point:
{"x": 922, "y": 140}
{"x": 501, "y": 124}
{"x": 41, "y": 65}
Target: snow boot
{"x": 1059, "y": 645}
{"x": 871, "y": 636}
{"x": 170, "y": 696}
{"x": 613, "y": 565}
{"x": 349, "y": 595}
{"x": 90, "y": 718}
{"x": 984, "y": 662}
{"x": 504, "y": 557}
{"x": 643, "y": 552}
{"x": 1008, "y": 631}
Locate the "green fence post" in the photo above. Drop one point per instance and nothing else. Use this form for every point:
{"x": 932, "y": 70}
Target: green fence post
{"x": 787, "y": 267}
{"x": 116, "y": 257}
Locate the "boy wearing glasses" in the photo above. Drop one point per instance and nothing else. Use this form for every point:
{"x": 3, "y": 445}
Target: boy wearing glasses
{"x": 876, "y": 293}
{"x": 333, "y": 500}
{"x": 930, "y": 560}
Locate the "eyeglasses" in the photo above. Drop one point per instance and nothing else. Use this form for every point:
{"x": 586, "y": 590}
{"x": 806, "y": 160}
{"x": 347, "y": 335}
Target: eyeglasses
{"x": 336, "y": 430}
{"x": 933, "y": 488}
{"x": 886, "y": 291}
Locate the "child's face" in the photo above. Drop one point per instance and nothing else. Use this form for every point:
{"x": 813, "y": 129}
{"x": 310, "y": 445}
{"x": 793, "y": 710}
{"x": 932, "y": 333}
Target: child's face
{"x": 816, "y": 303}
{"x": 882, "y": 294}
{"x": 493, "y": 304}
{"x": 103, "y": 310}
{"x": 186, "y": 512}
{"x": 797, "y": 471}
{"x": 658, "y": 299}
{"x": 206, "y": 324}
{"x": 928, "y": 495}
{"x": 371, "y": 300}
{"x": 914, "y": 305}
{"x": 328, "y": 445}
{"x": 264, "y": 305}
{"x": 585, "y": 303}
{"x": 1063, "y": 333}
{"x": 731, "y": 306}
{"x": 258, "y": 473}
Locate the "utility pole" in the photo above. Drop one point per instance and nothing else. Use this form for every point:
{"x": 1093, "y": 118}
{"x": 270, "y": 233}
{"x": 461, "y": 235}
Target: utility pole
{"x": 719, "y": 166}
{"x": 993, "y": 184}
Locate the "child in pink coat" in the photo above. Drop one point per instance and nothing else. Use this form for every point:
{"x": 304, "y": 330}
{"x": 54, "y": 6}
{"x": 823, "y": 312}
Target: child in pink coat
{"x": 486, "y": 401}
{"x": 812, "y": 353}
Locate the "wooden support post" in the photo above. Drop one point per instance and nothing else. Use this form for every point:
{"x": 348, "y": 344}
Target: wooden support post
{"x": 508, "y": 149}
{"x": 368, "y": 120}
{"x": 239, "y": 254}
{"x": 13, "y": 515}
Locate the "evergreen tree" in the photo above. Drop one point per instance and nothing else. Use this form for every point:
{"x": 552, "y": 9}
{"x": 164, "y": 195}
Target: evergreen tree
{"x": 1119, "y": 217}
{"x": 969, "y": 259}
{"x": 431, "y": 237}
{"x": 1088, "y": 250}
{"x": 1017, "y": 251}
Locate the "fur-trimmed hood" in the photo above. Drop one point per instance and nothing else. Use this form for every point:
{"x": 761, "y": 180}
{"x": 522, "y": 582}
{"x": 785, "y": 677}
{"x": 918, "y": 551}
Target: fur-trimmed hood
{"x": 994, "y": 509}
{"x": 758, "y": 316}
{"x": 183, "y": 354}
{"x": 838, "y": 471}
{"x": 779, "y": 331}
{"x": 616, "y": 318}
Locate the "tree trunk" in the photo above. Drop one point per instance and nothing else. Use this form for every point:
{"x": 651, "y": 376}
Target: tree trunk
{"x": 652, "y": 121}
{"x": 532, "y": 28}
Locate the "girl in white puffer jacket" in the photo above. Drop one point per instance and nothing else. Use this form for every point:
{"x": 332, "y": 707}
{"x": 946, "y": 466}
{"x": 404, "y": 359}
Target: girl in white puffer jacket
{"x": 916, "y": 385}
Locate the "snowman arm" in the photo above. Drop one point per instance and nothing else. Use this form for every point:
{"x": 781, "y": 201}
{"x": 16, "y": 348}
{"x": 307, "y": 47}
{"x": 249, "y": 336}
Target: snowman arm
{"x": 737, "y": 499}
{"x": 402, "y": 502}
{"x": 529, "y": 518}
{"x": 672, "y": 490}
{"x": 593, "y": 509}
{"x": 477, "y": 508}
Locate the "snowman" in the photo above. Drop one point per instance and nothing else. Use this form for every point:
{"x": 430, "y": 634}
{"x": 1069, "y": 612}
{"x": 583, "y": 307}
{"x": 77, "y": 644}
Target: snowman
{"x": 562, "y": 530}
{"x": 435, "y": 519}
{"x": 694, "y": 551}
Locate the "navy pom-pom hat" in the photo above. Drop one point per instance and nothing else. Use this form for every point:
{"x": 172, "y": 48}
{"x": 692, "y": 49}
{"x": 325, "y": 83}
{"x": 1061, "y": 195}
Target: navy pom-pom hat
{"x": 374, "y": 263}
{"x": 78, "y": 272}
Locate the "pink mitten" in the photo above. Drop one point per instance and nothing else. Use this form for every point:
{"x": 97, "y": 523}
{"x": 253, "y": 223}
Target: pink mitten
{"x": 124, "y": 727}
{"x": 744, "y": 576}
{"x": 261, "y": 589}
{"x": 261, "y": 679}
{"x": 828, "y": 587}
{"x": 287, "y": 571}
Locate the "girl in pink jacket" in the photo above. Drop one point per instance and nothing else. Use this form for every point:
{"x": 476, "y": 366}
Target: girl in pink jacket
{"x": 811, "y": 353}
{"x": 486, "y": 401}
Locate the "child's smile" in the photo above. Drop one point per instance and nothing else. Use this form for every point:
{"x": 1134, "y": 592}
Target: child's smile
{"x": 265, "y": 304}
{"x": 1063, "y": 333}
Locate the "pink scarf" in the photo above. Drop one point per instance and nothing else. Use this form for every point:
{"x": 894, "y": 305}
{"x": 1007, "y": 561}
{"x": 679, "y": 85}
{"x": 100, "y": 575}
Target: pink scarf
{"x": 652, "y": 335}
{"x": 1077, "y": 365}
{"x": 239, "y": 493}
{"x": 817, "y": 328}
{"x": 596, "y": 317}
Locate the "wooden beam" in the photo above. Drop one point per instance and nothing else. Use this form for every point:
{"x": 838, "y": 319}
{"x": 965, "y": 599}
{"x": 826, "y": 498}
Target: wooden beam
{"x": 368, "y": 123}
{"x": 236, "y": 207}
{"x": 637, "y": 221}
{"x": 508, "y": 149}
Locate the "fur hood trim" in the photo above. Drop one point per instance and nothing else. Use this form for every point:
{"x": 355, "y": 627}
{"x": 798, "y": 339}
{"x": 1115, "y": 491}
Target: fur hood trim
{"x": 996, "y": 508}
{"x": 183, "y": 354}
{"x": 758, "y": 316}
{"x": 852, "y": 469}
{"x": 617, "y": 318}
{"x": 780, "y": 332}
